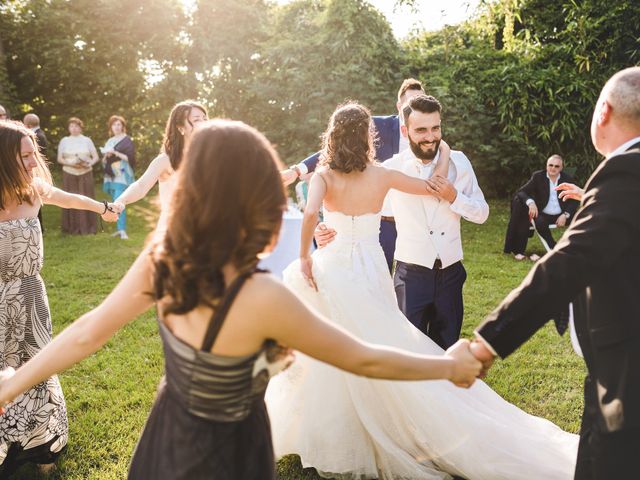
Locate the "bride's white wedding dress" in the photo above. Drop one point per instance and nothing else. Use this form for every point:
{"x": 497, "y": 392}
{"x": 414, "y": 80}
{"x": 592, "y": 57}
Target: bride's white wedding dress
{"x": 353, "y": 427}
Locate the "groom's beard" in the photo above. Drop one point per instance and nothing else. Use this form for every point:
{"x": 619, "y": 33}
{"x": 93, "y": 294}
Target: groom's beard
{"x": 424, "y": 150}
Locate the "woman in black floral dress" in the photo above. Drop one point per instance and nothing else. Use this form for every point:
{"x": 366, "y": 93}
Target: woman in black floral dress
{"x": 34, "y": 427}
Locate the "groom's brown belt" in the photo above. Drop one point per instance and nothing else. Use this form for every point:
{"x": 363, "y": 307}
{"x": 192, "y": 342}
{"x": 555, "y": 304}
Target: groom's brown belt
{"x": 387, "y": 219}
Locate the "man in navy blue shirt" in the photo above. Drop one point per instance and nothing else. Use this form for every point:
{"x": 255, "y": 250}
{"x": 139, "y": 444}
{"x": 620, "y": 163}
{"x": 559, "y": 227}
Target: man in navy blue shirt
{"x": 389, "y": 142}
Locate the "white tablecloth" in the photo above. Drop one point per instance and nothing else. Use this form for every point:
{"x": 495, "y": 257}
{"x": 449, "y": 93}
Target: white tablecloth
{"x": 288, "y": 248}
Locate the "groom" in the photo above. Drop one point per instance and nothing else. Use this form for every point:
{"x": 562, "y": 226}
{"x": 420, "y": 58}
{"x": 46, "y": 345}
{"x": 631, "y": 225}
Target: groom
{"x": 596, "y": 265}
{"x": 429, "y": 274}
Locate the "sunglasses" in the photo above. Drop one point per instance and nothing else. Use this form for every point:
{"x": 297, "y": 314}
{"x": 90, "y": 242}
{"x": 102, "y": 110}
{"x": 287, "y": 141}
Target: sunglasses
{"x": 554, "y": 166}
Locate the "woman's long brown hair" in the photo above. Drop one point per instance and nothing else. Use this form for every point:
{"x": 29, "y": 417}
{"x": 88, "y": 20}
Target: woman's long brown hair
{"x": 228, "y": 207}
{"x": 349, "y": 141}
{"x": 173, "y": 141}
{"x": 16, "y": 186}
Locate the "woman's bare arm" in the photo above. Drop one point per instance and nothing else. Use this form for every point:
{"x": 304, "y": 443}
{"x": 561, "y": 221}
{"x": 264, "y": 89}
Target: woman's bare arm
{"x": 51, "y": 195}
{"x": 138, "y": 189}
{"x": 90, "y": 332}
{"x": 416, "y": 186}
{"x": 288, "y": 320}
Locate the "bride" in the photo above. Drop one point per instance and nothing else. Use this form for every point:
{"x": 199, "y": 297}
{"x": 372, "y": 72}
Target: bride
{"x": 350, "y": 427}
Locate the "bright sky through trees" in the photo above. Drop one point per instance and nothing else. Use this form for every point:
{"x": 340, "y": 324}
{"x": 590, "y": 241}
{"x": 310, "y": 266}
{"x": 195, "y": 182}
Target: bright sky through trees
{"x": 426, "y": 14}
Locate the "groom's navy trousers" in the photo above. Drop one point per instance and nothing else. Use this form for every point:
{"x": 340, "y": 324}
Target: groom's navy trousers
{"x": 431, "y": 298}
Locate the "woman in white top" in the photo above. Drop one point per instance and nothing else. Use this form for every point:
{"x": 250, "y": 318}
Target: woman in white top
{"x": 182, "y": 120}
{"x": 77, "y": 154}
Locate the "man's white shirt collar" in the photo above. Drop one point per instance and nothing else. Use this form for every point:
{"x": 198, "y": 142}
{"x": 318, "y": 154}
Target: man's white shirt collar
{"x": 624, "y": 147}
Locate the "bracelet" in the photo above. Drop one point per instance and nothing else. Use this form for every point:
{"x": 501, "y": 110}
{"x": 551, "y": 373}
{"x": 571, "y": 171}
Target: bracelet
{"x": 106, "y": 207}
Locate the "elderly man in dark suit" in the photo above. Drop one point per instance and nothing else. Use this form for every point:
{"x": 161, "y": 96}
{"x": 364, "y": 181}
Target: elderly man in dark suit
{"x": 538, "y": 200}
{"x": 596, "y": 265}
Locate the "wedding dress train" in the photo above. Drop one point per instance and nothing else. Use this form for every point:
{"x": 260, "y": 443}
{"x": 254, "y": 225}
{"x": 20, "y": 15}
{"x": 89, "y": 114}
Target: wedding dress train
{"x": 351, "y": 427}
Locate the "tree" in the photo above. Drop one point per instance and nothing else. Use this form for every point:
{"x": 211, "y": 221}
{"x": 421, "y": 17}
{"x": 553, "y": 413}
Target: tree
{"x": 332, "y": 51}
{"x": 64, "y": 63}
{"x": 225, "y": 52}
{"x": 519, "y": 81}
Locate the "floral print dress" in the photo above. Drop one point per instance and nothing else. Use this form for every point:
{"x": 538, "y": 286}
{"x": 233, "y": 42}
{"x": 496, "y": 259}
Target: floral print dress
{"x": 34, "y": 427}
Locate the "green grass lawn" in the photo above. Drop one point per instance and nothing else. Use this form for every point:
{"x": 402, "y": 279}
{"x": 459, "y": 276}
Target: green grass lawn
{"x": 110, "y": 394}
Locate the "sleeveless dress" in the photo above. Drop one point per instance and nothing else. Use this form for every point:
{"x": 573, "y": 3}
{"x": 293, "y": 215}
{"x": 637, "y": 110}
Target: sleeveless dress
{"x": 34, "y": 427}
{"x": 351, "y": 427}
{"x": 209, "y": 419}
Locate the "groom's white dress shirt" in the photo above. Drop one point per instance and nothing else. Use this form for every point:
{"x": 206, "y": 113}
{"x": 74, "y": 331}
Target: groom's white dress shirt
{"x": 429, "y": 228}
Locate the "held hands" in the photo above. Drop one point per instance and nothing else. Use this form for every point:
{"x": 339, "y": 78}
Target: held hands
{"x": 5, "y": 375}
{"x": 118, "y": 207}
{"x": 483, "y": 354}
{"x": 306, "y": 267}
{"x": 569, "y": 191}
{"x": 111, "y": 214}
{"x": 466, "y": 367}
{"x": 323, "y": 235}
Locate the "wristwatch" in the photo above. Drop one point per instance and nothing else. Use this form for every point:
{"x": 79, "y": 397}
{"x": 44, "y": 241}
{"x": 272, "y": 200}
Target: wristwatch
{"x": 566, "y": 214}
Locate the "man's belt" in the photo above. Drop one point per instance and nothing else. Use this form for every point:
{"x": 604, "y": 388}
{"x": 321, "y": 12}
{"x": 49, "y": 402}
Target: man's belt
{"x": 387, "y": 219}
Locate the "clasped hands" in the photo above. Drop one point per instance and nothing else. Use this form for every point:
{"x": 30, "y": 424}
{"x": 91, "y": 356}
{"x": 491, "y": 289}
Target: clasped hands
{"x": 472, "y": 359}
{"x": 112, "y": 213}
{"x": 442, "y": 188}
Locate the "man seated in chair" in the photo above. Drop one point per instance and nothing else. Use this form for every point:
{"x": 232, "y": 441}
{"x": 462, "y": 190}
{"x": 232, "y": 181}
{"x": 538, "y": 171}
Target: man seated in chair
{"x": 538, "y": 200}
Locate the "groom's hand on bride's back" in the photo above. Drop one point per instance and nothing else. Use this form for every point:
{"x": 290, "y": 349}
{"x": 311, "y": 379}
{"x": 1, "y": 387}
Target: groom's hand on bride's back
{"x": 323, "y": 235}
{"x": 466, "y": 367}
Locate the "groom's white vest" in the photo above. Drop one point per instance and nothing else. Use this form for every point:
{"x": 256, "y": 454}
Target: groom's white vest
{"x": 427, "y": 227}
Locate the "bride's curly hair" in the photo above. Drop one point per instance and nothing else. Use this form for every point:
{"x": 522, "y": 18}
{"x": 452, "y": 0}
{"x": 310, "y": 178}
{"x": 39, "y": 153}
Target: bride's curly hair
{"x": 228, "y": 207}
{"x": 348, "y": 144}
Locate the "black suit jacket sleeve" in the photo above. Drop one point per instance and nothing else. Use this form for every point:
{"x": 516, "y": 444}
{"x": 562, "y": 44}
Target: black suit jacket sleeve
{"x": 312, "y": 161}
{"x": 42, "y": 140}
{"x": 529, "y": 190}
{"x": 603, "y": 230}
